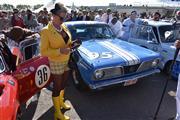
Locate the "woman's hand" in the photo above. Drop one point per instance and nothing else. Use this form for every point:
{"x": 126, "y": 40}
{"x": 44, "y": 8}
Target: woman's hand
{"x": 65, "y": 50}
{"x": 177, "y": 44}
{"x": 75, "y": 44}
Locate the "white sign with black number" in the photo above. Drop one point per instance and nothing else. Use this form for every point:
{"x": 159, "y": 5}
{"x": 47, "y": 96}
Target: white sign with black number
{"x": 42, "y": 76}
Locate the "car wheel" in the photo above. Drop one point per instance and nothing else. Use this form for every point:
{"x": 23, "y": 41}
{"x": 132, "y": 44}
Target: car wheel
{"x": 167, "y": 67}
{"x": 78, "y": 81}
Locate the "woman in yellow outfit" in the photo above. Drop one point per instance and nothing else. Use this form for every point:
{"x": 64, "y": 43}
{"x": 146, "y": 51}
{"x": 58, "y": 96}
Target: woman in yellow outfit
{"x": 55, "y": 42}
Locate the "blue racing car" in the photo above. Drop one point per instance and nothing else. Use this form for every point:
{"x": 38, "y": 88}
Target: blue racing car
{"x": 103, "y": 60}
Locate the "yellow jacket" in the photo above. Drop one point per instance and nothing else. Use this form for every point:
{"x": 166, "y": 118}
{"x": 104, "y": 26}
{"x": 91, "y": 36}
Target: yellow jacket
{"x": 51, "y": 41}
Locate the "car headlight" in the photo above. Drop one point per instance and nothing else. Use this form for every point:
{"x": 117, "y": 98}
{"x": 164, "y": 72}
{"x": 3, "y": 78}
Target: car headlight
{"x": 155, "y": 62}
{"x": 99, "y": 74}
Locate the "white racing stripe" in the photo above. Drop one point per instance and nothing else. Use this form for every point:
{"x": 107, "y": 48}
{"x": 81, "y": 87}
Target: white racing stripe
{"x": 132, "y": 58}
{"x": 117, "y": 52}
{"x": 89, "y": 54}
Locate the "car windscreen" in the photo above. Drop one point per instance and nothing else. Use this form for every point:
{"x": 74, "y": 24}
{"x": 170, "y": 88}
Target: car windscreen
{"x": 168, "y": 33}
{"x": 30, "y": 48}
{"x": 93, "y": 31}
{"x": 143, "y": 32}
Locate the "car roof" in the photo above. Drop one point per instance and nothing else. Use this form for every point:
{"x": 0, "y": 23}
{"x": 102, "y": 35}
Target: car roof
{"x": 84, "y": 23}
{"x": 157, "y": 23}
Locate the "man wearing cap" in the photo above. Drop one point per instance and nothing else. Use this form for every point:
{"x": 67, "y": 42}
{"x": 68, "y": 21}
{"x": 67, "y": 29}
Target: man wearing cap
{"x": 128, "y": 24}
{"x": 106, "y": 17}
{"x": 55, "y": 44}
{"x": 99, "y": 16}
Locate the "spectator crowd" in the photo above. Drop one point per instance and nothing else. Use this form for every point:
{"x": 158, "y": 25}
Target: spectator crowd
{"x": 119, "y": 22}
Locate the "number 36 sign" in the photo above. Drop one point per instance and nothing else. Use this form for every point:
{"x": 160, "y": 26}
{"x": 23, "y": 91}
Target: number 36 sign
{"x": 42, "y": 76}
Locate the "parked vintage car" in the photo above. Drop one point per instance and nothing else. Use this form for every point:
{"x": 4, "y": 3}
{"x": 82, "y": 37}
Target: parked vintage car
{"x": 103, "y": 60}
{"x": 17, "y": 86}
{"x": 158, "y": 36}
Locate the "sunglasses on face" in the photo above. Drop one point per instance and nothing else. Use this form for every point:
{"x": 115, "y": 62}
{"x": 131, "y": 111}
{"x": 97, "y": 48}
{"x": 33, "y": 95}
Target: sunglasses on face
{"x": 62, "y": 11}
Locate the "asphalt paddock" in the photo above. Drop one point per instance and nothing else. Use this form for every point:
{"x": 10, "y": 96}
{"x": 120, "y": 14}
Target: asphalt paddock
{"x": 136, "y": 102}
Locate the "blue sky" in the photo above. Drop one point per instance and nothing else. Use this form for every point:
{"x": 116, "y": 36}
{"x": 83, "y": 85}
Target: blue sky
{"x": 82, "y": 2}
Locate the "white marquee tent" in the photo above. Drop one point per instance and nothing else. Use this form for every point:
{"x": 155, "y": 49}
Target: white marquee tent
{"x": 49, "y": 6}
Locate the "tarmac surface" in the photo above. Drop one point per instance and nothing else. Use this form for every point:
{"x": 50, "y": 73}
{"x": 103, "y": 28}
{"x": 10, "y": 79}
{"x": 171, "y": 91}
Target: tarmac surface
{"x": 136, "y": 102}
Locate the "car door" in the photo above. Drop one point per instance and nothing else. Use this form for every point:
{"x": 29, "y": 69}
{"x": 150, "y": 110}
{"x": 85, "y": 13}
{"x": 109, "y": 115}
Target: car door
{"x": 144, "y": 36}
{"x": 33, "y": 72}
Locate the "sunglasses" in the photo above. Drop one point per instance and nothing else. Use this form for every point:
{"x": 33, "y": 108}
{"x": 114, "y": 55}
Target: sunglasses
{"x": 62, "y": 11}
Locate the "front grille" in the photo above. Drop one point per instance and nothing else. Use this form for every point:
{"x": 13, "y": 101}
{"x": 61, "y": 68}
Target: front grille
{"x": 131, "y": 69}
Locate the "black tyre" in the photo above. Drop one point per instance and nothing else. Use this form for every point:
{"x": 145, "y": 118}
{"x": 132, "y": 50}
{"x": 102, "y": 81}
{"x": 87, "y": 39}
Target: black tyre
{"x": 78, "y": 81}
{"x": 166, "y": 69}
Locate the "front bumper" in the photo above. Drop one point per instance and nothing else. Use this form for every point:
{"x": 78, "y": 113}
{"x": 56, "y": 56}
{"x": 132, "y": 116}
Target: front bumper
{"x": 101, "y": 84}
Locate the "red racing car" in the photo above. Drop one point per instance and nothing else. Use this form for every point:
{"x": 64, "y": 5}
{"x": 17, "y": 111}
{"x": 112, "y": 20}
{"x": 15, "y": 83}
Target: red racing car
{"x": 21, "y": 82}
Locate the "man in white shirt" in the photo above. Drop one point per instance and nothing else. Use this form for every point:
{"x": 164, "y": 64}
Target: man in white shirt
{"x": 116, "y": 26}
{"x": 177, "y": 44}
{"x": 106, "y": 17}
{"x": 98, "y": 16}
{"x": 128, "y": 24}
